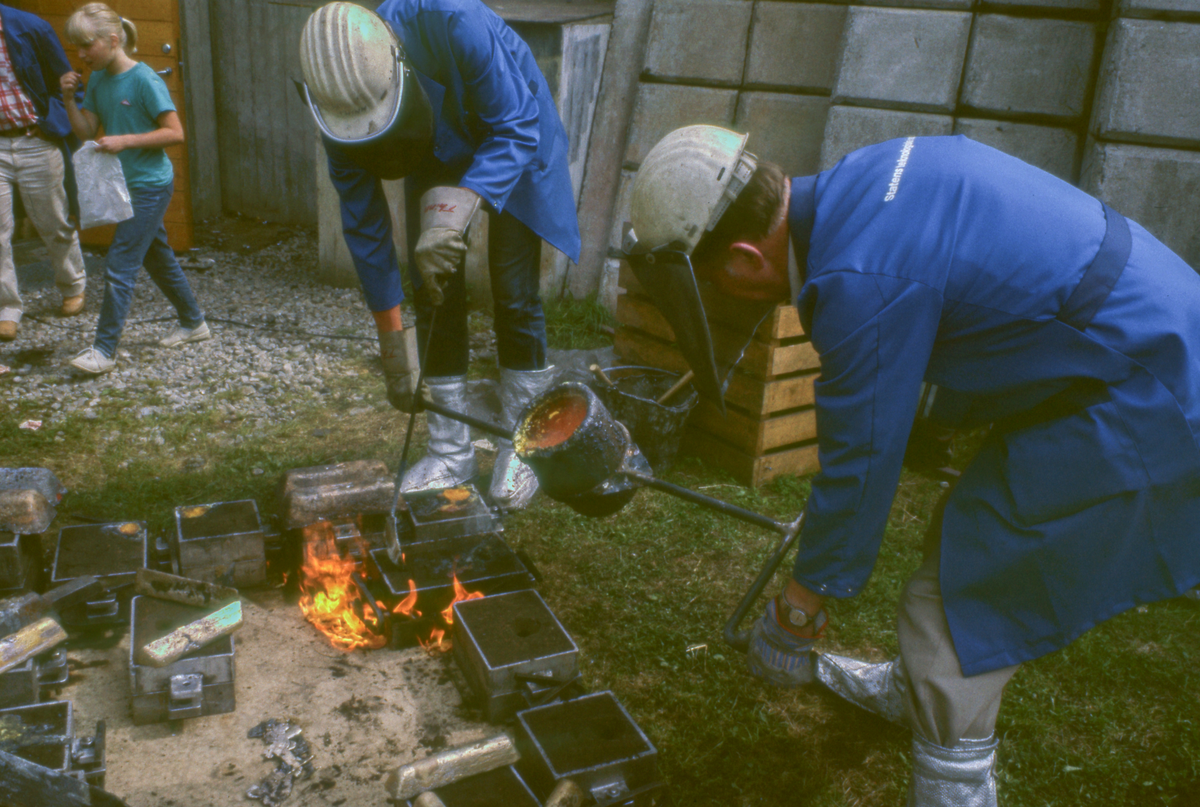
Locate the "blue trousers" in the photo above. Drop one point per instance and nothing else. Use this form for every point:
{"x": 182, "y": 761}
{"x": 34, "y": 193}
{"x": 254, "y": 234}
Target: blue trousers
{"x": 514, "y": 264}
{"x": 514, "y": 259}
{"x": 142, "y": 241}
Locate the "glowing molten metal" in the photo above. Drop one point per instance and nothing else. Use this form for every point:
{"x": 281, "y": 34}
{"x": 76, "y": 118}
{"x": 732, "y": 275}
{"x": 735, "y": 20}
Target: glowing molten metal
{"x": 329, "y": 596}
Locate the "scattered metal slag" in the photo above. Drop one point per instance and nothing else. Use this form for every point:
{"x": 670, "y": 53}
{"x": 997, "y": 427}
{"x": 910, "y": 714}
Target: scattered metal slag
{"x": 293, "y": 760}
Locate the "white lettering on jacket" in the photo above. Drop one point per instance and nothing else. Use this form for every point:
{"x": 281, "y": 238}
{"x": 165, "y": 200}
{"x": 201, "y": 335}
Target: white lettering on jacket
{"x": 894, "y": 185}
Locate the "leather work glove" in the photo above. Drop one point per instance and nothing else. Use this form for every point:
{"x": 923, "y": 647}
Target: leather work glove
{"x": 780, "y": 657}
{"x": 445, "y": 215}
{"x": 398, "y": 353}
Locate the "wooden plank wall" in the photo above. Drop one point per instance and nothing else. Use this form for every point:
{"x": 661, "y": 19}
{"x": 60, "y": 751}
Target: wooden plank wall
{"x": 770, "y": 427}
{"x": 264, "y": 132}
{"x": 157, "y": 23}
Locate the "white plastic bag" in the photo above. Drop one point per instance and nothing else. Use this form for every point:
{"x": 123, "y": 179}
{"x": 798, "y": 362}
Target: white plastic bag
{"x": 103, "y": 196}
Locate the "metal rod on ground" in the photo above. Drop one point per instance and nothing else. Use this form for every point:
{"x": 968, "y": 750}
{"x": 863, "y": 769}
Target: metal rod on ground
{"x": 394, "y": 549}
{"x": 451, "y": 765}
{"x": 676, "y": 387}
{"x": 598, "y": 371}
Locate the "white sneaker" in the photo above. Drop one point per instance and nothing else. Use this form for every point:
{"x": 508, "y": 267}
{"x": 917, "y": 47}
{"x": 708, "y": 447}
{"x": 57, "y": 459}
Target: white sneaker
{"x": 93, "y": 362}
{"x": 182, "y": 335}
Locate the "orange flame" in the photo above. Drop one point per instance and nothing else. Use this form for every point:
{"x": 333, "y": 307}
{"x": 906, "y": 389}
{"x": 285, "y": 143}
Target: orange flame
{"x": 407, "y": 606}
{"x": 329, "y": 595}
{"x": 460, "y": 594}
{"x": 438, "y": 643}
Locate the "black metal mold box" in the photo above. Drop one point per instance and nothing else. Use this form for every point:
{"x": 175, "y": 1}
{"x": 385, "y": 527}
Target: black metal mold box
{"x": 112, "y": 552}
{"x": 593, "y": 741}
{"x": 44, "y": 734}
{"x": 20, "y": 562}
{"x": 502, "y": 638}
{"x": 450, "y": 513}
{"x": 480, "y": 562}
{"x": 501, "y": 787}
{"x": 198, "y": 684}
{"x": 221, "y": 542}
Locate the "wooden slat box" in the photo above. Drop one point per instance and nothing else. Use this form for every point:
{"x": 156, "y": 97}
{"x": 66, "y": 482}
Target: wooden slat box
{"x": 770, "y": 427}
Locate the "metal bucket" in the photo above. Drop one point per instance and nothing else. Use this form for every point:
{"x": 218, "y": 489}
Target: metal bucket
{"x": 569, "y": 440}
{"x": 655, "y": 428}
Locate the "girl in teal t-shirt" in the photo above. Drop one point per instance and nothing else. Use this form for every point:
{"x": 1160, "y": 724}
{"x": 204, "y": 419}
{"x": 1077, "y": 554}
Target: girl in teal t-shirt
{"x": 130, "y": 103}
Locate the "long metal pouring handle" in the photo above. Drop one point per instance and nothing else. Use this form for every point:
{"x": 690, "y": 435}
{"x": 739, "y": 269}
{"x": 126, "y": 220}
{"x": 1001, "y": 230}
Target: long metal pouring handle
{"x": 740, "y": 640}
{"x": 485, "y": 426}
{"x": 393, "y": 531}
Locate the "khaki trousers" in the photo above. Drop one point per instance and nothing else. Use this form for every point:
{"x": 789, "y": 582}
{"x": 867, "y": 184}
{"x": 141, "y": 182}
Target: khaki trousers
{"x": 35, "y": 166}
{"x": 943, "y": 706}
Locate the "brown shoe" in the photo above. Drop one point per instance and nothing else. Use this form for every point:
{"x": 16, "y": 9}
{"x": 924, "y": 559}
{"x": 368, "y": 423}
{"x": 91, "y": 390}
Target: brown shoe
{"x": 72, "y": 305}
{"x": 8, "y": 331}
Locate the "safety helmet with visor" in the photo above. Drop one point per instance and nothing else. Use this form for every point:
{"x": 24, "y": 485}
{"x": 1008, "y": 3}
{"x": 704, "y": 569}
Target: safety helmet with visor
{"x": 682, "y": 189}
{"x": 362, "y": 92}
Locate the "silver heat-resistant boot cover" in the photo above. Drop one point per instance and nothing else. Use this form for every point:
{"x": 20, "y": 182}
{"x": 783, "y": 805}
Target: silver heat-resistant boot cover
{"x": 962, "y": 776}
{"x": 450, "y": 457}
{"x": 513, "y": 482}
{"x": 879, "y": 687}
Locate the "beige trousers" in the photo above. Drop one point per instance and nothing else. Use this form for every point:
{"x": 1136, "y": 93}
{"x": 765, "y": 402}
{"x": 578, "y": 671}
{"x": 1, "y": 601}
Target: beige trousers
{"x": 943, "y": 706}
{"x": 35, "y": 166}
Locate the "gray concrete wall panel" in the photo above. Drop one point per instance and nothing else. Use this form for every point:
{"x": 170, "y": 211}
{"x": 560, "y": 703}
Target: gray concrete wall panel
{"x": 1174, "y": 9}
{"x": 1048, "y": 5}
{"x": 900, "y": 58}
{"x": 621, "y": 208}
{"x": 962, "y": 5}
{"x": 1048, "y": 147}
{"x": 1158, "y": 188}
{"x": 795, "y": 45}
{"x": 662, "y": 108}
{"x": 1148, "y": 84}
{"x": 1018, "y": 65}
{"x": 699, "y": 40}
{"x": 785, "y": 129}
{"x": 850, "y": 128}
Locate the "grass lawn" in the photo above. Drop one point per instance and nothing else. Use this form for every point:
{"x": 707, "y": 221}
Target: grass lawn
{"x": 1112, "y": 720}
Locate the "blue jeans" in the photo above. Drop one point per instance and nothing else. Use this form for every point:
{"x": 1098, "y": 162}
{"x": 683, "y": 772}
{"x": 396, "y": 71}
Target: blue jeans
{"x": 514, "y": 264}
{"x": 142, "y": 241}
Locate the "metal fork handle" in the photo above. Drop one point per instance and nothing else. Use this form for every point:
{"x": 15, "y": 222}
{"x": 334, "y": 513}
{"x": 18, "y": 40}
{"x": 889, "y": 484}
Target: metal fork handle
{"x": 740, "y": 639}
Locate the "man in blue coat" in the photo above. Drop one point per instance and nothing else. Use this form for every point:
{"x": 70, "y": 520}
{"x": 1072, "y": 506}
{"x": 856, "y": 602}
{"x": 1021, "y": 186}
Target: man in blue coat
{"x": 445, "y": 93}
{"x": 1032, "y": 307}
{"x": 34, "y": 159}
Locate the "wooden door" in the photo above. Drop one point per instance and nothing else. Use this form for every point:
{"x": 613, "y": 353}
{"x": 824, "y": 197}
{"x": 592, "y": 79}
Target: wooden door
{"x": 157, "y": 24}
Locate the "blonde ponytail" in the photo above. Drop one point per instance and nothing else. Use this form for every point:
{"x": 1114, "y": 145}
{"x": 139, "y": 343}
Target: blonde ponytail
{"x": 95, "y": 20}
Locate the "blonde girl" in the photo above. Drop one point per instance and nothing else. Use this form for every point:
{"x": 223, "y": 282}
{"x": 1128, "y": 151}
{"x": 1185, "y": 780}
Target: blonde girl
{"x": 130, "y": 104}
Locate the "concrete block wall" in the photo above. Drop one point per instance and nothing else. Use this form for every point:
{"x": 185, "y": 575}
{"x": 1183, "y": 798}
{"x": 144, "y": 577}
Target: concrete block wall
{"x": 1100, "y": 93}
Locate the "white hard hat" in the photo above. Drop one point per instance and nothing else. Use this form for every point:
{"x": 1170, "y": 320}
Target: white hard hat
{"x": 350, "y": 59}
{"x": 685, "y": 185}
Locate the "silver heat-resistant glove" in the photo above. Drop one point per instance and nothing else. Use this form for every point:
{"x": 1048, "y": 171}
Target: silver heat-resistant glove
{"x": 445, "y": 216}
{"x": 398, "y": 354}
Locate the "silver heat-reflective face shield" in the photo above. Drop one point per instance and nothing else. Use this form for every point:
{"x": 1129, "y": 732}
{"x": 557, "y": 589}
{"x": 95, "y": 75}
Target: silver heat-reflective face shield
{"x": 712, "y": 330}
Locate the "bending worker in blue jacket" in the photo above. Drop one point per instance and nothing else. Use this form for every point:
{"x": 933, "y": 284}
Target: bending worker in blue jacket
{"x": 444, "y": 93}
{"x": 1033, "y": 307}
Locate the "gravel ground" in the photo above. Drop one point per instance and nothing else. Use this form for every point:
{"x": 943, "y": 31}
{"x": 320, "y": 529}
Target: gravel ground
{"x": 267, "y": 356}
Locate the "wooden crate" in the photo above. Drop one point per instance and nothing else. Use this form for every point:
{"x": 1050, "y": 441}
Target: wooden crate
{"x": 770, "y": 425}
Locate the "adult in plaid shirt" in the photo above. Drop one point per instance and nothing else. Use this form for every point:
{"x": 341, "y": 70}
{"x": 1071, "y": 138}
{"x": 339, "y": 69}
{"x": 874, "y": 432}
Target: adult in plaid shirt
{"x": 33, "y": 155}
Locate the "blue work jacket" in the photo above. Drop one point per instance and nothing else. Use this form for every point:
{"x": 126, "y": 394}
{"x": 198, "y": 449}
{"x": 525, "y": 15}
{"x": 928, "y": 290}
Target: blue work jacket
{"x": 494, "y": 119}
{"x": 944, "y": 260}
{"x": 39, "y": 62}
